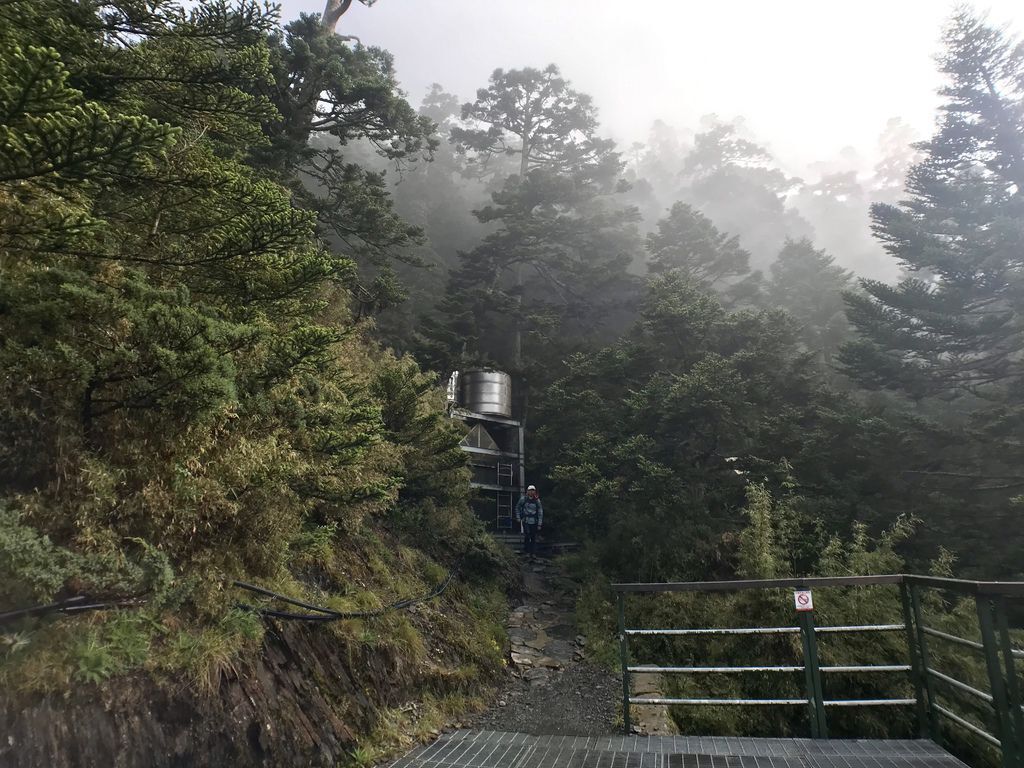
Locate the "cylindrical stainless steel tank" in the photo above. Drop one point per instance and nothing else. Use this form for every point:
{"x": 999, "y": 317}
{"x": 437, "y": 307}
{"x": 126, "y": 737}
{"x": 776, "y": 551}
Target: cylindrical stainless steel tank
{"x": 487, "y": 392}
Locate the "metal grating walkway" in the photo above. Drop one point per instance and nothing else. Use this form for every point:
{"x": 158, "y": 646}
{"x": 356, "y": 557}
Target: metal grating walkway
{"x": 491, "y": 749}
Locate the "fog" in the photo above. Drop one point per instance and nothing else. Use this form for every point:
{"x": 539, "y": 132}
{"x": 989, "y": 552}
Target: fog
{"x": 833, "y": 92}
{"x": 809, "y": 77}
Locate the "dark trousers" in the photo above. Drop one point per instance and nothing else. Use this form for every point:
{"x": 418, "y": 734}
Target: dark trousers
{"x": 529, "y": 539}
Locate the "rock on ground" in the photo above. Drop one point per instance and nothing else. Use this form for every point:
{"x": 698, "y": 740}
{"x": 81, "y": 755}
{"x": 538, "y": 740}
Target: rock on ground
{"x": 551, "y": 688}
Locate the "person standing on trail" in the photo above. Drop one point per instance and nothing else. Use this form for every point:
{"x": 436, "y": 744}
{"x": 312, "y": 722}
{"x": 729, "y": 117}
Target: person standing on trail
{"x": 530, "y": 515}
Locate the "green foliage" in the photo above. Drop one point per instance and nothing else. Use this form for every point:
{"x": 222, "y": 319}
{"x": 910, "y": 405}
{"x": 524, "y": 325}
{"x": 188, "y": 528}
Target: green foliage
{"x": 192, "y": 396}
{"x": 34, "y": 570}
{"x": 31, "y": 567}
{"x": 809, "y": 285}
{"x": 649, "y": 440}
{"x": 95, "y": 662}
{"x": 363, "y": 756}
{"x": 117, "y": 646}
{"x": 760, "y": 553}
{"x": 196, "y": 228}
{"x": 774, "y": 532}
{"x": 439, "y": 197}
{"x": 315, "y": 545}
{"x": 330, "y": 95}
{"x": 686, "y": 240}
{"x": 206, "y": 654}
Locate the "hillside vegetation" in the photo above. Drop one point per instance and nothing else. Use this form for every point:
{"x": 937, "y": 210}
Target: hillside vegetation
{"x": 236, "y": 264}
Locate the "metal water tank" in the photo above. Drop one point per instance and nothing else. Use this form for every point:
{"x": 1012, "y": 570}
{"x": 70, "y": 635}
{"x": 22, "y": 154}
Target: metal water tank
{"x": 487, "y": 392}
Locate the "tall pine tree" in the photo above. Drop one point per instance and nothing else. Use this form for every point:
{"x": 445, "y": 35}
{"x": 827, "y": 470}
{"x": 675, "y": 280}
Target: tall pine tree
{"x": 951, "y": 337}
{"x": 554, "y": 268}
{"x": 686, "y": 240}
{"x": 807, "y": 283}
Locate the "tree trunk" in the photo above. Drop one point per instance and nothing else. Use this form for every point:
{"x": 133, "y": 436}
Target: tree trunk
{"x": 333, "y": 11}
{"x": 517, "y": 341}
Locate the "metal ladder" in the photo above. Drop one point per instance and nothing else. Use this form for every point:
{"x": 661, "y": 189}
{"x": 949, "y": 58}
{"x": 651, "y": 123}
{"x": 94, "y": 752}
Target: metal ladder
{"x": 504, "y": 517}
{"x": 505, "y": 478}
{"x": 505, "y": 474}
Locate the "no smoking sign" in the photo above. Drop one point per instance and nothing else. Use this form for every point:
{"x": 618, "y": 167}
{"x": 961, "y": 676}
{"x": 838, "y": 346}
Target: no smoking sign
{"x": 803, "y": 600}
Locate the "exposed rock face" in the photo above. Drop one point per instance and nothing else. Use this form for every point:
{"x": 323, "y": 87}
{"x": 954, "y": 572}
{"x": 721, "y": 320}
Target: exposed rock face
{"x": 650, "y": 719}
{"x": 301, "y": 703}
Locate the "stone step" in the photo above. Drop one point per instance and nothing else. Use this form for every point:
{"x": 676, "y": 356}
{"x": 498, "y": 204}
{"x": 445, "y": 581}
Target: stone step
{"x": 514, "y": 541}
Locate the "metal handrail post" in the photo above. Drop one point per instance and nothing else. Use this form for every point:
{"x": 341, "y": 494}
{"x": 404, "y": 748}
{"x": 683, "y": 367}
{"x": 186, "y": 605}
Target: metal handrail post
{"x": 812, "y": 712}
{"x": 624, "y": 661}
{"x": 1004, "y": 729}
{"x": 1012, "y": 687}
{"x": 916, "y": 674}
{"x": 922, "y": 647}
{"x": 819, "y": 693}
{"x": 812, "y": 677}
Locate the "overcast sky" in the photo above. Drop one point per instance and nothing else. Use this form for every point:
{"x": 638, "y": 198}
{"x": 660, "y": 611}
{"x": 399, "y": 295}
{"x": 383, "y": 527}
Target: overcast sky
{"x": 810, "y": 76}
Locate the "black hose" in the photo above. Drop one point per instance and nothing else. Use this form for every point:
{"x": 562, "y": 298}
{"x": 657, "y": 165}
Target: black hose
{"x": 78, "y": 604}
{"x": 327, "y": 614}
{"x": 282, "y": 598}
{"x": 69, "y": 605}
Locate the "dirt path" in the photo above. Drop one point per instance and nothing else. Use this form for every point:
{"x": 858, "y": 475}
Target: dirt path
{"x": 551, "y": 688}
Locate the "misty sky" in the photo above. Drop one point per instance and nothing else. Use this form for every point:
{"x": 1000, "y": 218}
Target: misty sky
{"x": 810, "y": 76}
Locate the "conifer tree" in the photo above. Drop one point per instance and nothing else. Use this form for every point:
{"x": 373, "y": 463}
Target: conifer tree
{"x": 809, "y": 285}
{"x": 687, "y": 241}
{"x": 955, "y": 330}
{"x": 554, "y": 266}
{"x": 736, "y": 183}
{"x": 330, "y": 94}
{"x": 950, "y": 338}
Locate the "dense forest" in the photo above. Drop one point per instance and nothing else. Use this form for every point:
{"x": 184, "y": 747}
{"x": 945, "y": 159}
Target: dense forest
{"x": 684, "y": 329}
{"x": 236, "y": 266}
